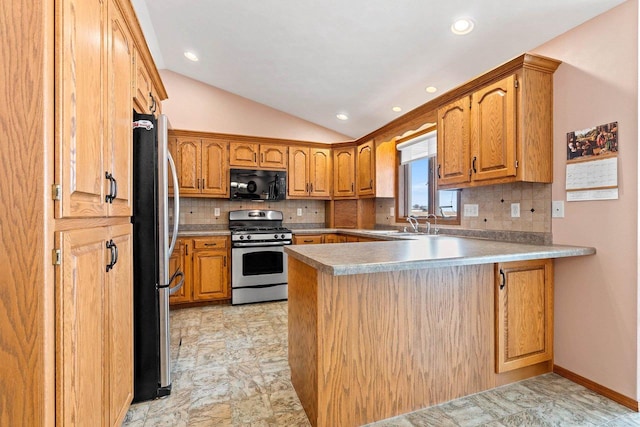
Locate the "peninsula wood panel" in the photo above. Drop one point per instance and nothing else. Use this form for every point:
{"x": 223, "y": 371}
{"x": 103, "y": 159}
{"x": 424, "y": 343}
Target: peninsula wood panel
{"x": 404, "y": 340}
{"x": 303, "y": 331}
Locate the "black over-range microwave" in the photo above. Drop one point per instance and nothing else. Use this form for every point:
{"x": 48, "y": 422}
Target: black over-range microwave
{"x": 258, "y": 185}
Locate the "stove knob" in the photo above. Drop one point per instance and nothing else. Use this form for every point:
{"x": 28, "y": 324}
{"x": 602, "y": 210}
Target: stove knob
{"x": 282, "y": 236}
{"x": 241, "y": 237}
{"x": 275, "y": 236}
{"x": 249, "y": 237}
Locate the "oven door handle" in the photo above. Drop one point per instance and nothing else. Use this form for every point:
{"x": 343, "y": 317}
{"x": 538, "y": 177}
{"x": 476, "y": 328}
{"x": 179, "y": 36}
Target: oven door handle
{"x": 260, "y": 244}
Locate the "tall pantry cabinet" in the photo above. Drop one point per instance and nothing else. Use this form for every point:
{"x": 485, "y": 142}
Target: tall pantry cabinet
{"x": 66, "y": 310}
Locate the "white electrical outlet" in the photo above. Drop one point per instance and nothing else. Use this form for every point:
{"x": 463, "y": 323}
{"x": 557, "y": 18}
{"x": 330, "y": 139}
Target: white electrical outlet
{"x": 557, "y": 209}
{"x": 299, "y": 211}
{"x": 515, "y": 210}
{"x": 392, "y": 211}
{"x": 216, "y": 211}
{"x": 471, "y": 210}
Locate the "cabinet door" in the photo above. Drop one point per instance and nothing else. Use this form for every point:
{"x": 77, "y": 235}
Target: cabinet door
{"x": 366, "y": 169}
{"x": 80, "y": 140}
{"x": 320, "y": 172}
{"x": 214, "y": 168}
{"x": 120, "y": 138}
{"x": 273, "y": 156}
{"x": 298, "y": 173}
{"x": 344, "y": 172}
{"x": 524, "y": 313}
{"x": 493, "y": 130}
{"x": 179, "y": 260}
{"x": 243, "y": 154}
{"x": 119, "y": 340}
{"x": 80, "y": 328}
{"x": 453, "y": 143}
{"x": 188, "y": 165}
{"x": 142, "y": 85}
{"x": 210, "y": 277}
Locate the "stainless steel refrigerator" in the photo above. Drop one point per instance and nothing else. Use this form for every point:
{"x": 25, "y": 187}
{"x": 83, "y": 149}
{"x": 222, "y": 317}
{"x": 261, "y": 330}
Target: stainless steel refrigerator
{"x": 152, "y": 246}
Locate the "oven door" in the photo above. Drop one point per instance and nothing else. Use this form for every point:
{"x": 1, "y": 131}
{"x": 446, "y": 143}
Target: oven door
{"x": 258, "y": 266}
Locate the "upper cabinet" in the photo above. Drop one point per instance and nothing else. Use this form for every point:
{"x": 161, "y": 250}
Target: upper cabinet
{"x": 344, "y": 172}
{"x": 201, "y": 165}
{"x": 366, "y": 169}
{"x": 253, "y": 155}
{"x": 93, "y": 97}
{"x": 502, "y": 131}
{"x": 309, "y": 174}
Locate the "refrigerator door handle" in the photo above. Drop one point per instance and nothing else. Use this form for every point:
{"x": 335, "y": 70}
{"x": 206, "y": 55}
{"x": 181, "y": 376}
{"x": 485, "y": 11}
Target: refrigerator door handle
{"x": 176, "y": 288}
{"x": 176, "y": 205}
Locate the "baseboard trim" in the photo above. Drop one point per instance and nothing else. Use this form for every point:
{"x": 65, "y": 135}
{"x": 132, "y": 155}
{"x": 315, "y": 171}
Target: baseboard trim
{"x": 600, "y": 389}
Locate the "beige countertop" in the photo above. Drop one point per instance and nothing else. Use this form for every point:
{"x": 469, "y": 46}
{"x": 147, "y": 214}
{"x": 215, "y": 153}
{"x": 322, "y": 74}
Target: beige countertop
{"x": 420, "y": 251}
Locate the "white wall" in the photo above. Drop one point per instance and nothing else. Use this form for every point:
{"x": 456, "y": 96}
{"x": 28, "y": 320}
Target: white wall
{"x": 596, "y": 298}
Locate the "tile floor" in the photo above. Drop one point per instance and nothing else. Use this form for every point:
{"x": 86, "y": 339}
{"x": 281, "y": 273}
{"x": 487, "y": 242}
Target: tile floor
{"x": 231, "y": 370}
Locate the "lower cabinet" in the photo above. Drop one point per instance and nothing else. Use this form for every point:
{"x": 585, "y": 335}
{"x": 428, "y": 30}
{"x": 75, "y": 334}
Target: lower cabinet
{"x": 94, "y": 326}
{"x": 205, "y": 262}
{"x": 334, "y": 238}
{"x": 524, "y": 313}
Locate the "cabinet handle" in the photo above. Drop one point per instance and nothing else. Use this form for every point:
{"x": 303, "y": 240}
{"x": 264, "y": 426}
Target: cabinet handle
{"x": 186, "y": 250}
{"x": 114, "y": 254}
{"x": 262, "y": 158}
{"x": 311, "y": 188}
{"x": 473, "y": 164}
{"x": 306, "y": 188}
{"x": 211, "y": 244}
{"x": 152, "y": 107}
{"x": 503, "y": 279}
{"x": 439, "y": 172}
{"x": 225, "y": 260}
{"x": 370, "y": 183}
{"x": 255, "y": 157}
{"x": 352, "y": 187}
{"x": 113, "y": 188}
{"x": 203, "y": 182}
{"x": 308, "y": 241}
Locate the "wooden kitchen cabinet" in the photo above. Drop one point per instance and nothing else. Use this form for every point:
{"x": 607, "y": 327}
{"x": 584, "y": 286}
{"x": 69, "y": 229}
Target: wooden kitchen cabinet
{"x": 206, "y": 265}
{"x": 254, "y": 155}
{"x": 308, "y": 239}
{"x": 202, "y": 167}
{"x": 344, "y": 172}
{"x": 178, "y": 261}
{"x": 334, "y": 238}
{"x": 309, "y": 174}
{"x": 142, "y": 85}
{"x": 93, "y": 130}
{"x": 502, "y": 131}
{"x": 524, "y": 313}
{"x": 366, "y": 169}
{"x": 210, "y": 267}
{"x": 94, "y": 326}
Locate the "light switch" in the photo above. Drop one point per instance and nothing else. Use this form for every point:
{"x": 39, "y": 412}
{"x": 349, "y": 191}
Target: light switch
{"x": 216, "y": 211}
{"x": 392, "y": 211}
{"x": 557, "y": 209}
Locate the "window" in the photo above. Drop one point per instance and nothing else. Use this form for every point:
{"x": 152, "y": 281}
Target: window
{"x": 418, "y": 194}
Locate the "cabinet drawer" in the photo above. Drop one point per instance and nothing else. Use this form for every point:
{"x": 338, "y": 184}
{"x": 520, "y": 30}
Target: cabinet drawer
{"x": 309, "y": 239}
{"x": 210, "y": 243}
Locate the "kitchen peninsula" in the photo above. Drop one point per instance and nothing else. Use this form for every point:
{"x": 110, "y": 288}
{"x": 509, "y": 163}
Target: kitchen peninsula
{"x": 384, "y": 328}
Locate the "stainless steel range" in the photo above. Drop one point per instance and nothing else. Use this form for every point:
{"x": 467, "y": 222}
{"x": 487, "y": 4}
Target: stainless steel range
{"x": 258, "y": 260}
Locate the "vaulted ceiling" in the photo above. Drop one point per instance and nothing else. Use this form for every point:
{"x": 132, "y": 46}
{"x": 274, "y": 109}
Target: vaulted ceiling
{"x": 316, "y": 59}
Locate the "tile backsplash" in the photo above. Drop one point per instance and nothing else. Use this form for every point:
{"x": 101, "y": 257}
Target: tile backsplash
{"x": 494, "y": 208}
{"x": 202, "y": 211}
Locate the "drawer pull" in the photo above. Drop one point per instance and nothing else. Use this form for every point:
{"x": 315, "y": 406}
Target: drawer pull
{"x": 503, "y": 279}
{"x": 211, "y": 244}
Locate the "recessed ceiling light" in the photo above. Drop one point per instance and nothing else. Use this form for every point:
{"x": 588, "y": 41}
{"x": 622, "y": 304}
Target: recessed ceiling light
{"x": 397, "y": 109}
{"x": 431, "y": 89}
{"x": 191, "y": 56}
{"x": 342, "y": 116}
{"x": 462, "y": 26}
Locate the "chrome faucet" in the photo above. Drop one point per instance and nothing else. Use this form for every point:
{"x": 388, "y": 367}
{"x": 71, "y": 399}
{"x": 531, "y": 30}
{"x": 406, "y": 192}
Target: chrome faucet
{"x": 435, "y": 224}
{"x": 414, "y": 222}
